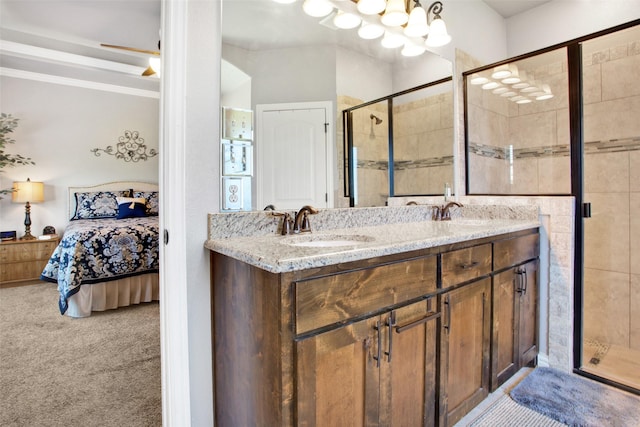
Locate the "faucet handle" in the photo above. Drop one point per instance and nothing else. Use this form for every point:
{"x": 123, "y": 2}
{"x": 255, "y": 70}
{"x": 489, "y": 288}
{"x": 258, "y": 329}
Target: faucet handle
{"x": 306, "y": 224}
{"x": 287, "y": 222}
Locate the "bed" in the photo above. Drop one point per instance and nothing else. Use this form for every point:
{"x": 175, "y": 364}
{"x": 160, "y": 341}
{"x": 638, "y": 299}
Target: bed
{"x": 108, "y": 255}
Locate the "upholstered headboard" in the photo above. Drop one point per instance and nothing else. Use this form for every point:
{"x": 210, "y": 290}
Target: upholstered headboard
{"x": 109, "y": 186}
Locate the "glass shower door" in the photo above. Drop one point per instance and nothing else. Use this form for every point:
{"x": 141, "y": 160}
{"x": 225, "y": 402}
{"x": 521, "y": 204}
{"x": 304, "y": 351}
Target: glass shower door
{"x": 611, "y": 159}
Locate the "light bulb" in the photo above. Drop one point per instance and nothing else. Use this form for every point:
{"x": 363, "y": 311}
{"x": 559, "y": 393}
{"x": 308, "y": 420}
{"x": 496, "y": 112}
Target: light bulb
{"x": 317, "y": 8}
{"x": 438, "y": 35}
{"x": 417, "y": 24}
{"x": 371, "y": 7}
{"x": 370, "y": 31}
{"x": 346, "y": 20}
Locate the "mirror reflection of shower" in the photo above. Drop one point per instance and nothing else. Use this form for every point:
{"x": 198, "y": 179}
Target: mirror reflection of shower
{"x": 377, "y": 121}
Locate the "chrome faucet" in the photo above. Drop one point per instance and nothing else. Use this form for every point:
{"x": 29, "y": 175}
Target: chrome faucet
{"x": 442, "y": 213}
{"x": 301, "y": 223}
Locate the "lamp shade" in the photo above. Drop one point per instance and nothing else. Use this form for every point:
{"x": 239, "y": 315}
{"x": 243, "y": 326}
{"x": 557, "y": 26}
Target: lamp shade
{"x": 27, "y": 191}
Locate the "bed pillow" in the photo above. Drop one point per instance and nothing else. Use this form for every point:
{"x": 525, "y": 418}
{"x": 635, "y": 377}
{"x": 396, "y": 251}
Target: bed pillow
{"x": 152, "y": 200}
{"x": 131, "y": 207}
{"x": 98, "y": 204}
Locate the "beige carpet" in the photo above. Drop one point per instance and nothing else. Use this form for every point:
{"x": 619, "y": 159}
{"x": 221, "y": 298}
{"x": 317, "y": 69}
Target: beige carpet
{"x": 103, "y": 370}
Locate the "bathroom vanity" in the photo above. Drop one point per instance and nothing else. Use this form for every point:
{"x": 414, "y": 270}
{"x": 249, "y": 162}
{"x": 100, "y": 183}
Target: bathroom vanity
{"x": 405, "y": 324}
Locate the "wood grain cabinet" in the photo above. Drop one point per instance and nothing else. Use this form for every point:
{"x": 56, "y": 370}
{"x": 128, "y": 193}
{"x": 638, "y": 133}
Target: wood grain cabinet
{"x": 24, "y": 260}
{"x": 401, "y": 340}
{"x": 515, "y": 306}
{"x": 465, "y": 354}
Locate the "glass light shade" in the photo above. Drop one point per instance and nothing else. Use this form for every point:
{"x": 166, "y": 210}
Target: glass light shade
{"x": 520, "y": 85}
{"x": 500, "y": 90}
{"x": 371, "y": 7}
{"x": 438, "y": 35}
{"x": 517, "y": 98}
{"x": 508, "y": 94}
{"x": 513, "y": 78}
{"x": 477, "y": 79}
{"x": 412, "y": 49}
{"x": 530, "y": 89}
{"x": 417, "y": 24}
{"x": 395, "y": 14}
{"x": 27, "y": 191}
{"x": 317, "y": 8}
{"x": 523, "y": 101}
{"x": 370, "y": 31}
{"x": 346, "y": 20}
{"x": 490, "y": 85}
{"x": 392, "y": 40}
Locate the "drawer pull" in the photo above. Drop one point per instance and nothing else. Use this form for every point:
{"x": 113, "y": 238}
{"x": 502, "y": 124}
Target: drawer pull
{"x": 448, "y": 308}
{"x": 391, "y": 322}
{"x": 425, "y": 319}
{"x": 469, "y": 265}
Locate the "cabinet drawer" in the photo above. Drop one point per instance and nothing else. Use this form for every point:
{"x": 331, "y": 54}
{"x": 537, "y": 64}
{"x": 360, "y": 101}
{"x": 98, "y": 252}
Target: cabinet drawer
{"x": 465, "y": 264}
{"x": 336, "y": 298}
{"x": 12, "y": 252}
{"x": 507, "y": 253}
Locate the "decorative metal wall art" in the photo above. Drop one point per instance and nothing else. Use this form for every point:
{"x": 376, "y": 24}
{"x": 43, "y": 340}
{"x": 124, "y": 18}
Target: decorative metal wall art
{"x": 130, "y": 148}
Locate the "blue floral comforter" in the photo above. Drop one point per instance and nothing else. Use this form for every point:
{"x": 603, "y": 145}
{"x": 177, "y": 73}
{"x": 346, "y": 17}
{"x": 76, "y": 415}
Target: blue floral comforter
{"x": 99, "y": 250}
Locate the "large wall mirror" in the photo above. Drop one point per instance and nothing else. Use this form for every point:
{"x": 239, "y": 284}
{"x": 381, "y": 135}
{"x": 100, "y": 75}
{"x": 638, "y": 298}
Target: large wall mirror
{"x": 274, "y": 53}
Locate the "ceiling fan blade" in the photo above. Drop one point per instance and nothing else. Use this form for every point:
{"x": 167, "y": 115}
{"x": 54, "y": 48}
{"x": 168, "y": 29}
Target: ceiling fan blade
{"x": 132, "y": 49}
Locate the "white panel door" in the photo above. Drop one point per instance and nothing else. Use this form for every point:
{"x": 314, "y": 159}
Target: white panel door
{"x": 292, "y": 150}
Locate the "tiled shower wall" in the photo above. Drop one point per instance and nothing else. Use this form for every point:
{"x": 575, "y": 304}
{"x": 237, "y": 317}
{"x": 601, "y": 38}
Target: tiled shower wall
{"x": 612, "y": 186}
{"x": 423, "y": 137}
{"x": 422, "y": 141}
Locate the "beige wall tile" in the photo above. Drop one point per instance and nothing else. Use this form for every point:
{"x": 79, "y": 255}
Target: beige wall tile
{"x": 634, "y": 309}
{"x": 533, "y": 130}
{"x": 606, "y": 173}
{"x": 607, "y": 232}
{"x": 620, "y": 78}
{"x": 634, "y": 229}
{"x": 606, "y": 307}
{"x": 634, "y": 171}
{"x": 554, "y": 175}
{"x": 612, "y": 119}
{"x": 592, "y": 84}
{"x": 525, "y": 176}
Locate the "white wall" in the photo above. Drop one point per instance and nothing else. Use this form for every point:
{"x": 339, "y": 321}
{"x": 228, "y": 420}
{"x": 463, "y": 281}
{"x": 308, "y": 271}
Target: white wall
{"x": 563, "y": 20}
{"x": 59, "y": 125}
{"x": 361, "y": 76}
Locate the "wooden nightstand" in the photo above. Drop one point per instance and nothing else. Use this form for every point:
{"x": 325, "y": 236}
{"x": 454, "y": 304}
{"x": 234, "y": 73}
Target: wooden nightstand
{"x": 23, "y": 260}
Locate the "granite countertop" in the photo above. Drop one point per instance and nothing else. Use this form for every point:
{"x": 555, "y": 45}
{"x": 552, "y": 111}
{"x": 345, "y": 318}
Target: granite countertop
{"x": 277, "y": 254}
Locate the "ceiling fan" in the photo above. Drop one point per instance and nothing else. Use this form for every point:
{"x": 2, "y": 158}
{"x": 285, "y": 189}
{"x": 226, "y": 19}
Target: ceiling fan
{"x": 153, "y": 62}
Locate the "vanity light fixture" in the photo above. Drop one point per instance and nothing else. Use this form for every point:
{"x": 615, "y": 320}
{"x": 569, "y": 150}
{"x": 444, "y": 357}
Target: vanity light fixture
{"x": 401, "y": 24}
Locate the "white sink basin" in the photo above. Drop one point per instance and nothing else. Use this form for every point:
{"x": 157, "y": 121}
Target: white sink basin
{"x": 327, "y": 241}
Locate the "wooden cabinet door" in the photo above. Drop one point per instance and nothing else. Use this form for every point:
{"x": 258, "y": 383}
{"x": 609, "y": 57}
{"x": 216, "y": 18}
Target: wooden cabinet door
{"x": 464, "y": 359}
{"x": 338, "y": 378}
{"x": 528, "y": 301}
{"x": 505, "y": 353}
{"x": 408, "y": 372}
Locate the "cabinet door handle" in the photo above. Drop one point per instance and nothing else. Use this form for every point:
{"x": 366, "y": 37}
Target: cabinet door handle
{"x": 425, "y": 319}
{"x": 448, "y": 312}
{"x": 378, "y": 343}
{"x": 525, "y": 281}
{"x": 469, "y": 265}
{"x": 391, "y": 322}
{"x": 518, "y": 281}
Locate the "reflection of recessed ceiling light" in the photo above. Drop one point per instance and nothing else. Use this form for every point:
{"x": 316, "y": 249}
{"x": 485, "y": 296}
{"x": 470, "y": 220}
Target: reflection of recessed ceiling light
{"x": 490, "y": 85}
{"x": 516, "y": 98}
{"x": 520, "y": 85}
{"x": 501, "y": 72}
{"x": 529, "y": 89}
{"x": 523, "y": 101}
{"x": 500, "y": 90}
{"x": 508, "y": 94}
{"x": 477, "y": 79}
{"x": 543, "y": 97}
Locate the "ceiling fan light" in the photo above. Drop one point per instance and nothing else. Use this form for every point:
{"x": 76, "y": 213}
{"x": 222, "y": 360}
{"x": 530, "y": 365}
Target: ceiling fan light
{"x": 417, "y": 25}
{"x": 317, "y": 8}
{"x": 346, "y": 20}
{"x": 370, "y": 31}
{"x": 412, "y": 49}
{"x": 392, "y": 40}
{"x": 438, "y": 35}
{"x": 371, "y": 7}
{"x": 395, "y": 14}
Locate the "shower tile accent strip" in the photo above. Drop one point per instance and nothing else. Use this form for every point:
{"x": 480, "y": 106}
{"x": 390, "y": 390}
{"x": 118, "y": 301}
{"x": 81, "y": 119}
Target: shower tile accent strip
{"x": 562, "y": 150}
{"x": 406, "y": 164}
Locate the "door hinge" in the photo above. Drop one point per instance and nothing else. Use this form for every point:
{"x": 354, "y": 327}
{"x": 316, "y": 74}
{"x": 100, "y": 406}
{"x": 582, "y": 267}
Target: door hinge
{"x": 166, "y": 237}
{"x": 586, "y": 210}
{"x": 326, "y": 197}
{"x": 326, "y": 127}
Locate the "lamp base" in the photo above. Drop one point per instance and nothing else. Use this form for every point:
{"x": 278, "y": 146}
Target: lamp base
{"x": 28, "y": 237}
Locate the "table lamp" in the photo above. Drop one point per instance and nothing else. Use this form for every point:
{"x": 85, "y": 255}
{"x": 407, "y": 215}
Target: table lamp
{"x": 26, "y": 192}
